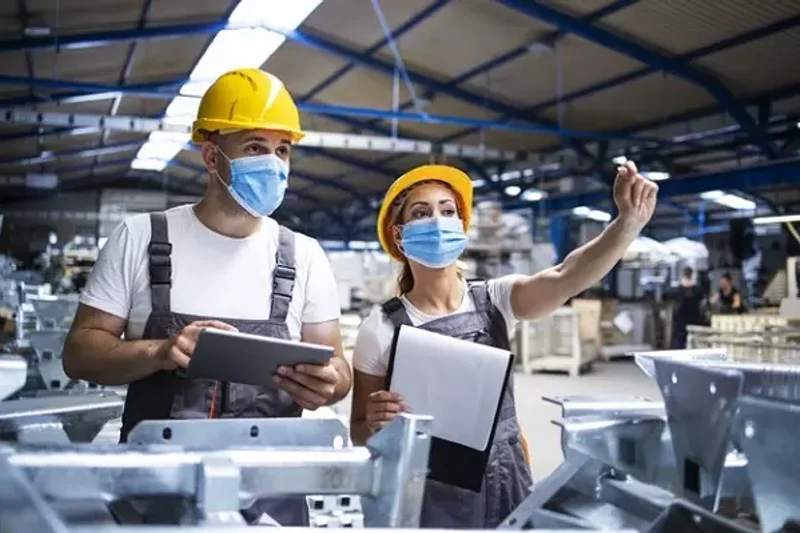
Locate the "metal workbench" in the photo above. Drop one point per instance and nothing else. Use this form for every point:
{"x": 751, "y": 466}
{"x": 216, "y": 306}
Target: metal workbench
{"x": 719, "y": 444}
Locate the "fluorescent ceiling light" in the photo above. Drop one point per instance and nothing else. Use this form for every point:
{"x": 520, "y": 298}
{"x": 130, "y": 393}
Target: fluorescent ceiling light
{"x": 478, "y": 183}
{"x": 550, "y": 167}
{"x": 149, "y": 164}
{"x": 729, "y": 200}
{"x": 41, "y": 181}
{"x": 600, "y": 216}
{"x": 364, "y": 245}
{"x": 532, "y": 195}
{"x": 241, "y": 47}
{"x": 592, "y": 214}
{"x": 778, "y": 219}
{"x": 656, "y": 176}
{"x": 513, "y": 190}
{"x": 510, "y": 175}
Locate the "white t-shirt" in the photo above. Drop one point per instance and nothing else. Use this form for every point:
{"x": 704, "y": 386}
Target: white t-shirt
{"x": 374, "y": 340}
{"x": 212, "y": 275}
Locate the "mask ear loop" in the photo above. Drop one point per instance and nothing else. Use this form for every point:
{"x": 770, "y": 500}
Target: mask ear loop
{"x": 219, "y": 151}
{"x": 397, "y": 228}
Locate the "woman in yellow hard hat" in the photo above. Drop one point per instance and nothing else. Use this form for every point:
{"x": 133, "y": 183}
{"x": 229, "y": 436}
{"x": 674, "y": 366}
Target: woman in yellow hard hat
{"x": 423, "y": 224}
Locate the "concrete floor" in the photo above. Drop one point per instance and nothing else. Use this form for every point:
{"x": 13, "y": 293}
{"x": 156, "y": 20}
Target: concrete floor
{"x": 617, "y": 378}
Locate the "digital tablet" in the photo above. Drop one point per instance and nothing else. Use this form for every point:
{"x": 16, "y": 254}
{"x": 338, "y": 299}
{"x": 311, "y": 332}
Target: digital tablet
{"x": 251, "y": 359}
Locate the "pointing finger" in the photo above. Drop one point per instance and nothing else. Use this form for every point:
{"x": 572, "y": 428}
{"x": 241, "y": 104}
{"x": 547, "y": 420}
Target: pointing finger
{"x": 632, "y": 170}
{"x": 642, "y": 191}
{"x": 652, "y": 190}
{"x": 637, "y": 189}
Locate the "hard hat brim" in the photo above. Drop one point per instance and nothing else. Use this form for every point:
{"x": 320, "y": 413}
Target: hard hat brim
{"x": 203, "y": 125}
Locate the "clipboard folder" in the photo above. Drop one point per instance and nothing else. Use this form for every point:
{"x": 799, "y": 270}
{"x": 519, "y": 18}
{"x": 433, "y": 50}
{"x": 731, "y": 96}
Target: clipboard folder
{"x": 462, "y": 385}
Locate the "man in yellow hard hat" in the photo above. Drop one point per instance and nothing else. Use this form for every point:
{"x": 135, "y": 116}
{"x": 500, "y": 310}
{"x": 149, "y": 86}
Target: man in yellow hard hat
{"x": 222, "y": 263}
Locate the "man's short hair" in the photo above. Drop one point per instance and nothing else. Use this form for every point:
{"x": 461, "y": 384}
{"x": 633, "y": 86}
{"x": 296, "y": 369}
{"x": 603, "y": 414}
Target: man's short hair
{"x": 688, "y": 272}
{"x": 727, "y": 275}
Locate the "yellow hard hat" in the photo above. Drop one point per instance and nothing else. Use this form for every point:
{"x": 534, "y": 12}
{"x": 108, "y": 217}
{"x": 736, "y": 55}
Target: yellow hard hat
{"x": 455, "y": 178}
{"x": 247, "y": 99}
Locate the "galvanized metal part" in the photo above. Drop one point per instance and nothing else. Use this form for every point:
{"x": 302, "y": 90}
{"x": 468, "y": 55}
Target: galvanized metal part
{"x": 223, "y": 433}
{"x": 13, "y": 372}
{"x": 701, "y": 404}
{"x": 63, "y": 418}
{"x": 644, "y": 360}
{"x": 389, "y": 473}
{"x": 768, "y": 431}
{"x": 630, "y": 464}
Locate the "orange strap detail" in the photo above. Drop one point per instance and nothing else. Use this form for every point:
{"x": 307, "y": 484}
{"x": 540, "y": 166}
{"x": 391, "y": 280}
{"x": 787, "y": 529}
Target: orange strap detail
{"x": 212, "y": 411}
{"x": 525, "y": 449}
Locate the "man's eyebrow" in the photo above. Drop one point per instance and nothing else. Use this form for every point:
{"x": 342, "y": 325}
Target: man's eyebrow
{"x": 254, "y": 137}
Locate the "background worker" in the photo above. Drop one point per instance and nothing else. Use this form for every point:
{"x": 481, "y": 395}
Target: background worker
{"x": 422, "y": 223}
{"x": 728, "y": 299}
{"x": 688, "y": 309}
{"x": 221, "y": 263}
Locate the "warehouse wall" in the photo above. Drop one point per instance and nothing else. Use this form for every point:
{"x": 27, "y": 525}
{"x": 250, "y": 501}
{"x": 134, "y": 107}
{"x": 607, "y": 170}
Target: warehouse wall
{"x": 28, "y": 224}
{"x": 92, "y": 213}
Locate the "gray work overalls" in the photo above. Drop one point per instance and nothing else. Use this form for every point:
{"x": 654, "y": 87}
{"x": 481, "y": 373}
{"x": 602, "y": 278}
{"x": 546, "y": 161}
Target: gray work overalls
{"x": 508, "y": 477}
{"x": 164, "y": 395}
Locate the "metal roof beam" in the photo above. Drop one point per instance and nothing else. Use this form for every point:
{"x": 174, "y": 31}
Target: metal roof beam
{"x": 79, "y": 41}
{"x": 601, "y": 37}
{"x": 335, "y": 140}
{"x": 688, "y": 57}
{"x": 412, "y": 23}
{"x": 169, "y": 90}
{"x": 520, "y": 51}
{"x": 478, "y": 100}
{"x": 45, "y": 157}
{"x": 748, "y": 178}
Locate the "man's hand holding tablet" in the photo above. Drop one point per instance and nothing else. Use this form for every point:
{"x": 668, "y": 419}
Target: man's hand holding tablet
{"x": 311, "y": 386}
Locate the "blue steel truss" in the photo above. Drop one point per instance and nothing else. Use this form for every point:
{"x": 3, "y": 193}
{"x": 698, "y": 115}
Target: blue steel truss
{"x": 751, "y": 130}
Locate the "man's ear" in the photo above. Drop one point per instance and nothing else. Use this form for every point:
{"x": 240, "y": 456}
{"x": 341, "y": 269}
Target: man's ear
{"x": 210, "y": 155}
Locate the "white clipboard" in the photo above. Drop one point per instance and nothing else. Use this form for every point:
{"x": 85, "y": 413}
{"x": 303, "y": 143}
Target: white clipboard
{"x": 460, "y": 383}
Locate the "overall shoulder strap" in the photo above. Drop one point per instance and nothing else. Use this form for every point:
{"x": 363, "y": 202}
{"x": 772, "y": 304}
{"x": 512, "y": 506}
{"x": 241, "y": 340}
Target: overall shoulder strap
{"x": 283, "y": 276}
{"x": 160, "y": 263}
{"x": 395, "y": 311}
{"x": 479, "y": 291}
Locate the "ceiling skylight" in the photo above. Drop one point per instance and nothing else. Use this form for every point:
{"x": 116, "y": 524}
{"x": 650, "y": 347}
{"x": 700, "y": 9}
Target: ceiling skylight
{"x": 248, "y": 44}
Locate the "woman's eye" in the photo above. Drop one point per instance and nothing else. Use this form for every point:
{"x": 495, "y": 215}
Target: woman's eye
{"x": 449, "y": 212}
{"x": 282, "y": 152}
{"x": 419, "y": 214}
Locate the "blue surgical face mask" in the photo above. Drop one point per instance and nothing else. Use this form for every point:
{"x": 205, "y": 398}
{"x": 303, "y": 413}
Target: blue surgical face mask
{"x": 434, "y": 242}
{"x": 258, "y": 183}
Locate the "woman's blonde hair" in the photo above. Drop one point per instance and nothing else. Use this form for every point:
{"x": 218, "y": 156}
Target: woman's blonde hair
{"x": 405, "y": 280}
